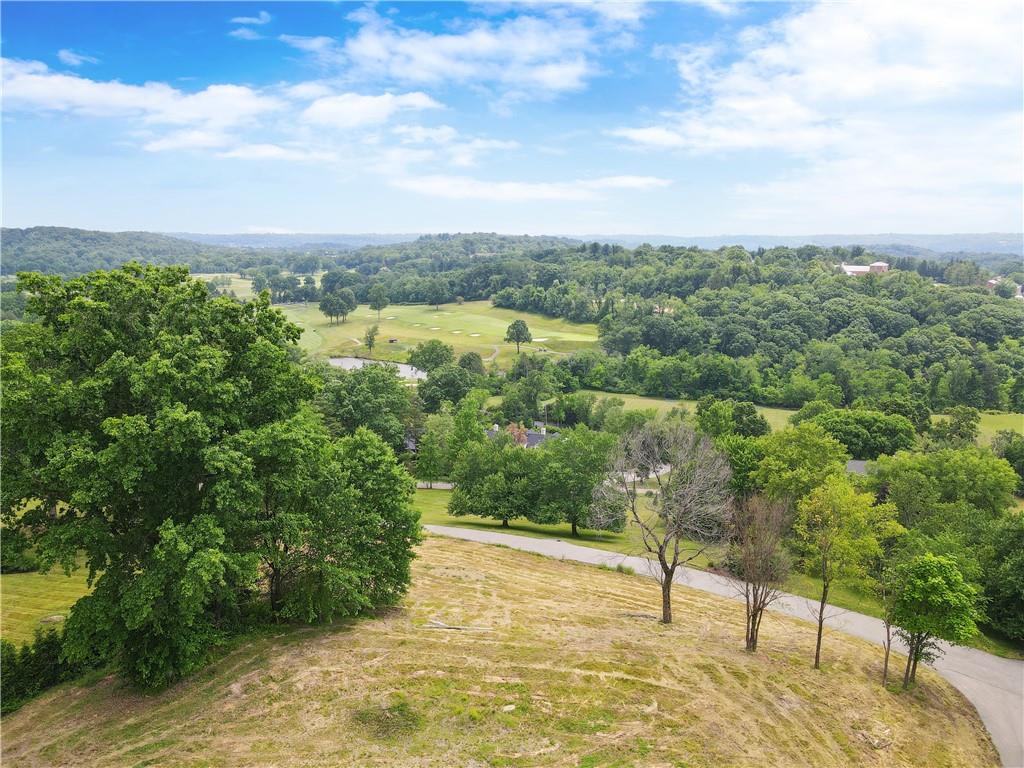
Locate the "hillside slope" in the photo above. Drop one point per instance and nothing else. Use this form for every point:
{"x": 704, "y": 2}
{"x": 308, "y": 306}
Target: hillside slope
{"x": 556, "y": 664}
{"x": 68, "y": 251}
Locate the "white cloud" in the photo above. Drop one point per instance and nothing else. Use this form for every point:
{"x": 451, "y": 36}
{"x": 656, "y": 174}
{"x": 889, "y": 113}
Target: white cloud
{"x": 884, "y": 113}
{"x": 325, "y": 50}
{"x": 539, "y": 55}
{"x": 73, "y": 59}
{"x": 353, "y": 110}
{"x": 467, "y": 154}
{"x": 188, "y": 139}
{"x": 804, "y": 83}
{"x": 262, "y": 18}
{"x": 32, "y": 85}
{"x": 459, "y": 151}
{"x": 469, "y": 188}
{"x": 277, "y": 152}
{"x": 245, "y": 33}
{"x": 420, "y": 134}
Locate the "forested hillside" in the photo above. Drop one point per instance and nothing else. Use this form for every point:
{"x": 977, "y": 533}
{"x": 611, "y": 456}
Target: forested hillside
{"x": 780, "y": 327}
{"x": 67, "y": 251}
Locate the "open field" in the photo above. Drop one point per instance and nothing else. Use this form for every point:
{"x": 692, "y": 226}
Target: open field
{"x": 241, "y": 286}
{"x": 776, "y": 417}
{"x": 563, "y": 664}
{"x": 475, "y": 326}
{"x": 27, "y": 598}
{"x": 994, "y": 422}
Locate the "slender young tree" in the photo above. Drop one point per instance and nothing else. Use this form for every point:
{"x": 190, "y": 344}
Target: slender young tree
{"x": 757, "y": 555}
{"x": 691, "y": 509}
{"x": 932, "y": 602}
{"x": 836, "y": 538}
{"x": 378, "y": 296}
{"x": 370, "y": 339}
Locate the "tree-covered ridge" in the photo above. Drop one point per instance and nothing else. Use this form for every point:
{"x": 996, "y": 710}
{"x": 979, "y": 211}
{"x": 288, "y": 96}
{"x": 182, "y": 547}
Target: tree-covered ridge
{"x": 779, "y": 327}
{"x": 68, "y": 251}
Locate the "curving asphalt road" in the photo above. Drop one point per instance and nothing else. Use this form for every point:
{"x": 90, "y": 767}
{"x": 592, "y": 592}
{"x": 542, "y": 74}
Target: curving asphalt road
{"x": 993, "y": 685}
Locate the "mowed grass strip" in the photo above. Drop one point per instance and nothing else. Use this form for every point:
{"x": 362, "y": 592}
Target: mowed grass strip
{"x": 556, "y": 664}
{"x": 26, "y": 599}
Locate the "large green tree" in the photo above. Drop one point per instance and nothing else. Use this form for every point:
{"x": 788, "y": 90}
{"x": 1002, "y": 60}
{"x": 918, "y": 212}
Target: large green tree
{"x": 572, "y": 466}
{"x": 868, "y": 434}
{"x": 378, "y": 298}
{"x": 373, "y": 396}
{"x": 446, "y": 383}
{"x": 431, "y": 354}
{"x": 497, "y": 479}
{"x": 119, "y": 410}
{"x": 518, "y": 333}
{"x": 797, "y": 460}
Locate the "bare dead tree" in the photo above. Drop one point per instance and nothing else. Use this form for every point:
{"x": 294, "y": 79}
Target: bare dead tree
{"x": 758, "y": 557}
{"x": 690, "y": 508}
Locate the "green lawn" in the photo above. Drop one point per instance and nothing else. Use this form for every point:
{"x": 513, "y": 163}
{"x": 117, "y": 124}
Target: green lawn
{"x": 432, "y": 505}
{"x": 778, "y": 418}
{"x": 26, "y": 598}
{"x": 994, "y": 422}
{"x": 474, "y": 326}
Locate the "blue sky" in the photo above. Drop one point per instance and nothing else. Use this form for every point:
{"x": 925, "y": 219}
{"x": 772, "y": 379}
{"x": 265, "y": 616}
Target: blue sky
{"x": 697, "y": 118}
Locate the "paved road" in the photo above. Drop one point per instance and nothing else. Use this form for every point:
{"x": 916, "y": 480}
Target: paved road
{"x": 995, "y": 686}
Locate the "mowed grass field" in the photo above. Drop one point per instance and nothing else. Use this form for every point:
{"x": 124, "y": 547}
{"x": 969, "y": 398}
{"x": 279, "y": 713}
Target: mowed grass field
{"x": 776, "y": 417}
{"x": 27, "y": 599}
{"x": 557, "y": 664}
{"x": 474, "y": 326}
{"x": 995, "y": 422}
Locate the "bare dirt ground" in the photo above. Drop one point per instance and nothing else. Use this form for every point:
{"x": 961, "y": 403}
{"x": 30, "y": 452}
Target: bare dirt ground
{"x": 553, "y": 664}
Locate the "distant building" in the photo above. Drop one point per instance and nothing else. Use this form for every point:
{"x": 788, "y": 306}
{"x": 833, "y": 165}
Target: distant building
{"x": 1018, "y": 290}
{"x": 857, "y": 466}
{"x": 528, "y": 438}
{"x": 856, "y": 270}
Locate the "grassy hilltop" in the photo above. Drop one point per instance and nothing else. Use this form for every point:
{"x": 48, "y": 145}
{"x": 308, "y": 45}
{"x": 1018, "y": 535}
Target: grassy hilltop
{"x": 560, "y": 664}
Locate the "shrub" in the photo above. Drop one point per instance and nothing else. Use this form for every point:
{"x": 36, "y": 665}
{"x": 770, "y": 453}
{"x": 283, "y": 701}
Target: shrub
{"x": 28, "y": 671}
{"x": 15, "y": 556}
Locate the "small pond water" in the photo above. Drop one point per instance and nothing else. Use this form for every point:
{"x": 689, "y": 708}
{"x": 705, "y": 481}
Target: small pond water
{"x": 405, "y": 370}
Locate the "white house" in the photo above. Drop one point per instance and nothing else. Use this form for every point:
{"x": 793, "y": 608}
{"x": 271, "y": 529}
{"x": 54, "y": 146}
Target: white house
{"x": 856, "y": 270}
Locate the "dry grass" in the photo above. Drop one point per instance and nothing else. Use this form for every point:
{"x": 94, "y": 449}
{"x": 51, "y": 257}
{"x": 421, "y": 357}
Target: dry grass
{"x": 567, "y": 669}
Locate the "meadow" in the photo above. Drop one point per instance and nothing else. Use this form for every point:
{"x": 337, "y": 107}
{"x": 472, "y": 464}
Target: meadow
{"x": 502, "y": 658}
{"x": 475, "y": 326}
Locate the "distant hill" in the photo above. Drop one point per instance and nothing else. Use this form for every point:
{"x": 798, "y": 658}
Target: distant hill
{"x": 297, "y": 240}
{"x": 63, "y": 250}
{"x": 922, "y": 246}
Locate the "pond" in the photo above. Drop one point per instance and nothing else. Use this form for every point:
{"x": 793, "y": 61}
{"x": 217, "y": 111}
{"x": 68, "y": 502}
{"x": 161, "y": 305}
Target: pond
{"x": 405, "y": 370}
